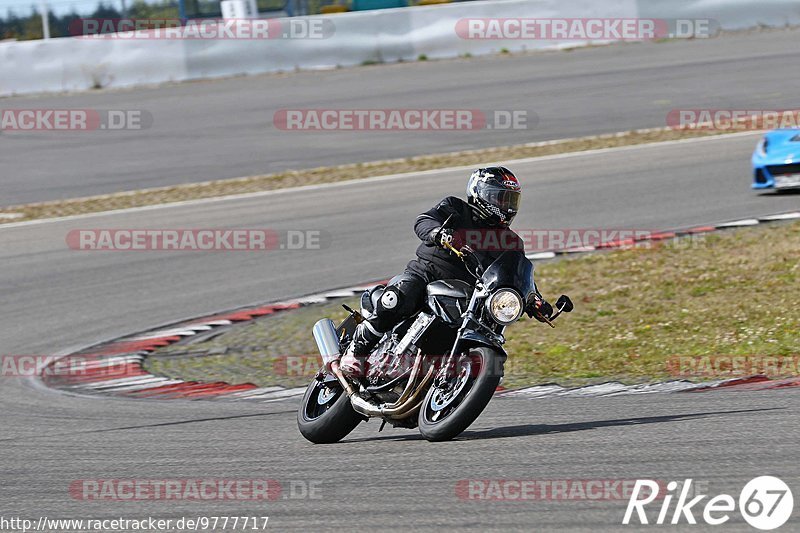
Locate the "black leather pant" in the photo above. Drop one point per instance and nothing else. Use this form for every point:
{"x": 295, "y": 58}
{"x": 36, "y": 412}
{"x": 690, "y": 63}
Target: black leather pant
{"x": 404, "y": 295}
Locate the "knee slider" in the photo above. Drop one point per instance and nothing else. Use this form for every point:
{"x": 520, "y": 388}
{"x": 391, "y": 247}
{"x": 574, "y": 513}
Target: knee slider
{"x": 391, "y": 300}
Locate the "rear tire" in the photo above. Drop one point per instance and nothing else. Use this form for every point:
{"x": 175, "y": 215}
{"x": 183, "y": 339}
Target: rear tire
{"x": 467, "y": 404}
{"x": 330, "y": 421}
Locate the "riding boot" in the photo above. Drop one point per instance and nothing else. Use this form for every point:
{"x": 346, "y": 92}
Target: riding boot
{"x": 365, "y": 338}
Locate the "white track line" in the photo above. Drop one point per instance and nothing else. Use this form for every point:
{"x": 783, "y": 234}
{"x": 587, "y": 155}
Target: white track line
{"x": 160, "y": 382}
{"x": 251, "y": 392}
{"x": 612, "y": 388}
{"x": 133, "y": 383}
{"x": 783, "y": 216}
{"x": 740, "y": 223}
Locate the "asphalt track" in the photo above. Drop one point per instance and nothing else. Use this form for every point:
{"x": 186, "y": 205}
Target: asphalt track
{"x": 223, "y": 129}
{"x": 56, "y": 299}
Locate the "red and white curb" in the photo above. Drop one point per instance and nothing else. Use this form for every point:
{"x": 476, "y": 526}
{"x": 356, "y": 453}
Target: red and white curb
{"x": 116, "y": 368}
{"x": 614, "y": 388}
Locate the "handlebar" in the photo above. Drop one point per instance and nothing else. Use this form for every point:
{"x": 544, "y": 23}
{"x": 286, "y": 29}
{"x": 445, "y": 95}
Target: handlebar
{"x": 452, "y": 248}
{"x": 563, "y": 305}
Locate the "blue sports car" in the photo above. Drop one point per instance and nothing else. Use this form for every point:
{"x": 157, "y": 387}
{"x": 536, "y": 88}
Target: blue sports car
{"x": 776, "y": 161}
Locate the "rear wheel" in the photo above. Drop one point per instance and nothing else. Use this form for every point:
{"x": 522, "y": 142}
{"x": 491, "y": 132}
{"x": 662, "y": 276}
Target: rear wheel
{"x": 325, "y": 414}
{"x": 453, "y": 404}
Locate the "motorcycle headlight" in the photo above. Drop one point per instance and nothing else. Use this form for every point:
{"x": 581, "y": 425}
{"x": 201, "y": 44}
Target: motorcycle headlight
{"x": 505, "y": 306}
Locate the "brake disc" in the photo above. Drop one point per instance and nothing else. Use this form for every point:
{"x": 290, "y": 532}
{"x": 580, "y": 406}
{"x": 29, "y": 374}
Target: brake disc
{"x": 326, "y": 394}
{"x": 443, "y": 397}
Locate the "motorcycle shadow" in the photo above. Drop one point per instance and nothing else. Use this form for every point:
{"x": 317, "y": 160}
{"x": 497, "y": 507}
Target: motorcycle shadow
{"x": 527, "y": 430}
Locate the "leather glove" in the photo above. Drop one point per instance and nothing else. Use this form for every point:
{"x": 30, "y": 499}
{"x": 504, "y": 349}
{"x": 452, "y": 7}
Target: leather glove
{"x": 440, "y": 236}
{"x": 539, "y": 308}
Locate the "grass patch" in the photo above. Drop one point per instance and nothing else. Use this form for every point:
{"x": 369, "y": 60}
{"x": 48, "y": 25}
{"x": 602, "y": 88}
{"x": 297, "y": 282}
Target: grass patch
{"x": 256, "y": 352}
{"x": 294, "y": 178}
{"x": 733, "y": 293}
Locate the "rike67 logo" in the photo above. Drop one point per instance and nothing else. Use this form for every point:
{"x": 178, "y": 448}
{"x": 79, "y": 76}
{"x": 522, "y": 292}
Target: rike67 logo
{"x": 765, "y": 503}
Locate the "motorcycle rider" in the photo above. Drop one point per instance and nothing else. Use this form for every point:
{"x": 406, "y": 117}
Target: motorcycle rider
{"x": 493, "y": 197}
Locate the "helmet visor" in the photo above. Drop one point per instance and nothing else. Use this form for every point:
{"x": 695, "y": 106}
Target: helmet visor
{"x": 507, "y": 201}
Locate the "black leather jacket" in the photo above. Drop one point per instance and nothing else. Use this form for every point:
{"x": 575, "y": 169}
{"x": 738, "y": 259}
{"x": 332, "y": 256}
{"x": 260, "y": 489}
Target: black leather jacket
{"x": 434, "y": 262}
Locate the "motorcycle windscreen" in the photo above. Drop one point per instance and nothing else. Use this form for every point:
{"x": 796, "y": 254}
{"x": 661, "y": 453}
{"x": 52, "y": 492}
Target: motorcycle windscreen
{"x": 512, "y": 269}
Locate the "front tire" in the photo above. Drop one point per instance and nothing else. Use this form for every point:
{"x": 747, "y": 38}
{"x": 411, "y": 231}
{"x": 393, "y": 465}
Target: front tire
{"x": 450, "y": 409}
{"x": 325, "y": 414}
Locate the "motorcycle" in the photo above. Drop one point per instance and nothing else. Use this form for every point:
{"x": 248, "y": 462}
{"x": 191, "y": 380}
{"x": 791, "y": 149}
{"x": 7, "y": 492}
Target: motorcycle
{"x": 435, "y": 371}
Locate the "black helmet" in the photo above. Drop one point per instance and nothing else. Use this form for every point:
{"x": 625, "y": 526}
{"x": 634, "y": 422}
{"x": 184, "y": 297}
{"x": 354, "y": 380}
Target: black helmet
{"x": 495, "y": 193}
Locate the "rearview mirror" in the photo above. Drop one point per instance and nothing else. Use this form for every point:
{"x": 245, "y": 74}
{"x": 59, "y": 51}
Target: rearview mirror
{"x": 564, "y": 303}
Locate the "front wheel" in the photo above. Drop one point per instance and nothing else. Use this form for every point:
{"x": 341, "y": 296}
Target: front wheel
{"x": 325, "y": 414}
{"x": 453, "y": 404}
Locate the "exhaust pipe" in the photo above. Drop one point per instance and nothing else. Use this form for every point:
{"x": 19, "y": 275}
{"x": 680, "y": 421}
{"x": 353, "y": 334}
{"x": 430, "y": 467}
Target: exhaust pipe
{"x": 327, "y": 342}
{"x": 328, "y": 346}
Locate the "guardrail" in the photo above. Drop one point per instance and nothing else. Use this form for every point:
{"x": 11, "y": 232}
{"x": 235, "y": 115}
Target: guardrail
{"x": 345, "y": 39}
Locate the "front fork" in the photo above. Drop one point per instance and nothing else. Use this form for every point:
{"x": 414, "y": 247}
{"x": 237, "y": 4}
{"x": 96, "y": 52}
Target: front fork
{"x": 471, "y": 329}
